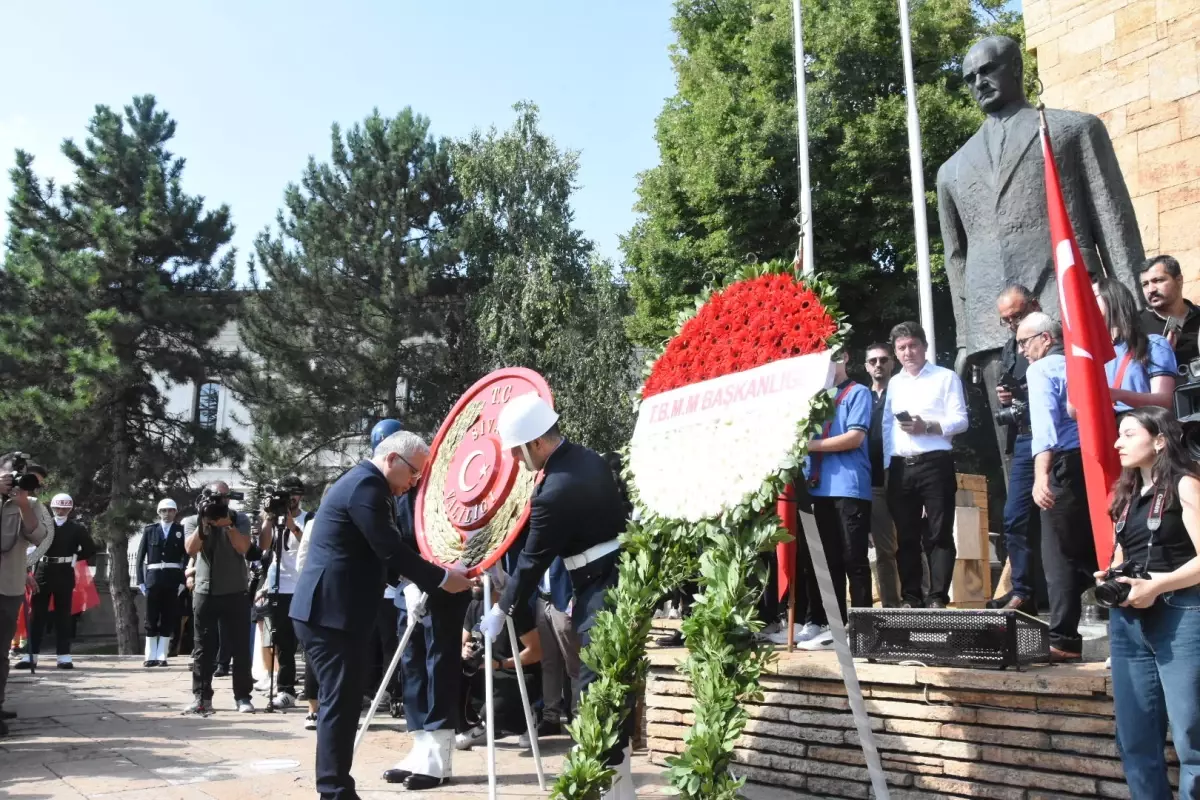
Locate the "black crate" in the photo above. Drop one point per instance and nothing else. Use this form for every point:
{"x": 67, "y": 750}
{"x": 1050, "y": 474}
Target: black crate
{"x": 949, "y": 637}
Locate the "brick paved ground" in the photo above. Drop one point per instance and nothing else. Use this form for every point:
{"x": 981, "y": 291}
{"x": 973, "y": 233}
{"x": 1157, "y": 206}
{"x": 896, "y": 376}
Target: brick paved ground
{"x": 113, "y": 729}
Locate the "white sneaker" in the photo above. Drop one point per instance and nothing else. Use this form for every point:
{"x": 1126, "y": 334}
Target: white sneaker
{"x": 822, "y": 640}
{"x": 468, "y": 739}
{"x": 245, "y": 706}
{"x": 310, "y": 721}
{"x": 262, "y": 687}
{"x": 803, "y": 633}
{"x": 284, "y": 700}
{"x": 1108, "y": 663}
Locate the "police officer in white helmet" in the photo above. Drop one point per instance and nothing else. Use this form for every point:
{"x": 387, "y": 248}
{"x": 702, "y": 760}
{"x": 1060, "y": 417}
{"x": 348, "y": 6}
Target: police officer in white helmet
{"x": 577, "y": 513}
{"x": 161, "y": 560}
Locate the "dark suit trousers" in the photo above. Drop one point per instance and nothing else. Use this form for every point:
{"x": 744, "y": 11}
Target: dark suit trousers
{"x": 433, "y": 663}
{"x": 928, "y": 486}
{"x": 162, "y": 609}
{"x": 339, "y": 661}
{"x": 591, "y": 583}
{"x": 58, "y": 582}
{"x": 1068, "y": 550}
{"x": 234, "y": 611}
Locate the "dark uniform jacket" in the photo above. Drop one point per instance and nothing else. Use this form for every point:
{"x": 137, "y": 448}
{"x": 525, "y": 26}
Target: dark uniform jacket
{"x": 354, "y": 541}
{"x": 576, "y": 506}
{"x": 154, "y": 549}
{"x": 70, "y": 539}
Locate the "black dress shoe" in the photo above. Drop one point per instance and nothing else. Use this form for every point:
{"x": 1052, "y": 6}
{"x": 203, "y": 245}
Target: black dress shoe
{"x": 221, "y": 672}
{"x": 672, "y": 639}
{"x": 6, "y": 715}
{"x": 396, "y": 775}
{"x": 936, "y": 604}
{"x": 417, "y": 783}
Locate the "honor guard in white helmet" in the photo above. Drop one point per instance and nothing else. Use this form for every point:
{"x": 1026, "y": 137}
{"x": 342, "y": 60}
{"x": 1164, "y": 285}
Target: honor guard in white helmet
{"x": 161, "y": 560}
{"x": 55, "y": 575}
{"x": 577, "y": 513}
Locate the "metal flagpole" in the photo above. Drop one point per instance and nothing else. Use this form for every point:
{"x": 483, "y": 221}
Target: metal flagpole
{"x": 806, "y": 217}
{"x": 920, "y": 225}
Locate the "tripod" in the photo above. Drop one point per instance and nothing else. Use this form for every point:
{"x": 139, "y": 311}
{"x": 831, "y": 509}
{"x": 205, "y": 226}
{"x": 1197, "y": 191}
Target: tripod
{"x": 279, "y": 534}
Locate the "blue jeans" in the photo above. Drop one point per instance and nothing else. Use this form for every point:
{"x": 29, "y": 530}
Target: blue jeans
{"x": 1156, "y": 680}
{"x": 1021, "y": 521}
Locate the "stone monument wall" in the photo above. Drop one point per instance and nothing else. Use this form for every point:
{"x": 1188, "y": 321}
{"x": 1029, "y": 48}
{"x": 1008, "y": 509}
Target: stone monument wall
{"x": 1136, "y": 65}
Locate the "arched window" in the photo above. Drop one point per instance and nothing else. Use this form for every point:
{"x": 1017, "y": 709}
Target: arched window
{"x": 208, "y": 405}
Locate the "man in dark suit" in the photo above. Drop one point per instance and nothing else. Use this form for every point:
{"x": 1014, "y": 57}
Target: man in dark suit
{"x": 992, "y": 203}
{"x": 577, "y": 514}
{"x": 354, "y": 540}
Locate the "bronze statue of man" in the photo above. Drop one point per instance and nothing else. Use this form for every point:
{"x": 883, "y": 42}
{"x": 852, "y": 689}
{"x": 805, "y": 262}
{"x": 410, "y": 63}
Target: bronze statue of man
{"x": 992, "y": 204}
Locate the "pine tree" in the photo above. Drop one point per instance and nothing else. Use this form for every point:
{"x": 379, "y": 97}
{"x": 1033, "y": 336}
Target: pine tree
{"x": 546, "y": 301}
{"x": 357, "y": 311}
{"x": 112, "y": 290}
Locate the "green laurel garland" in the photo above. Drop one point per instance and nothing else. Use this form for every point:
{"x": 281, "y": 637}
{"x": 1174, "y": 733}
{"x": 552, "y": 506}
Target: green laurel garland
{"x": 724, "y": 661}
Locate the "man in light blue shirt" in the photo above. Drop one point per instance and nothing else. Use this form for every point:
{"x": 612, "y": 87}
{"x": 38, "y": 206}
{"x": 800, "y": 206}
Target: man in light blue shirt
{"x": 1068, "y": 551}
{"x": 838, "y": 471}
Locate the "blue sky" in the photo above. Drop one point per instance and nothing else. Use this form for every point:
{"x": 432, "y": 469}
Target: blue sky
{"x": 255, "y": 86}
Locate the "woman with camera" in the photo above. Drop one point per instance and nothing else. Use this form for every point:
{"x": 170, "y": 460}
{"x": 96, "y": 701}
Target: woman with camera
{"x": 1153, "y": 588}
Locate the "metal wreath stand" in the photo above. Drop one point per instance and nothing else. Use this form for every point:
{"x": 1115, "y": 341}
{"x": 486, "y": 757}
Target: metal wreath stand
{"x": 414, "y": 618}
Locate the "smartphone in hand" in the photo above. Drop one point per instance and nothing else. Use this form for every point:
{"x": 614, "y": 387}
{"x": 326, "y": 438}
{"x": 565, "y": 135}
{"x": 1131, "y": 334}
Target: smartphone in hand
{"x": 904, "y": 416}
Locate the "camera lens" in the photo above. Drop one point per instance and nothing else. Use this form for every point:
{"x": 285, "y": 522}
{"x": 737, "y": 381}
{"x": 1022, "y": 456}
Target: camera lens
{"x": 1111, "y": 594}
{"x": 1191, "y": 439}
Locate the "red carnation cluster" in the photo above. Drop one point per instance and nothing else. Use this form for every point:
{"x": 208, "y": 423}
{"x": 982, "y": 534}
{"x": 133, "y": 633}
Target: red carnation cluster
{"x": 746, "y": 325}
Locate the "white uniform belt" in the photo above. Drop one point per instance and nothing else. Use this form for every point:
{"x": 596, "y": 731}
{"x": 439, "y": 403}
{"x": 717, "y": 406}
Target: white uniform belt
{"x": 593, "y": 553}
{"x": 63, "y": 560}
{"x": 164, "y": 565}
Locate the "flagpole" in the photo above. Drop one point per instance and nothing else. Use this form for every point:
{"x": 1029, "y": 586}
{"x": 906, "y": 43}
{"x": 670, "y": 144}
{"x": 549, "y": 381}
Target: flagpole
{"x": 806, "y": 217}
{"x": 920, "y": 224}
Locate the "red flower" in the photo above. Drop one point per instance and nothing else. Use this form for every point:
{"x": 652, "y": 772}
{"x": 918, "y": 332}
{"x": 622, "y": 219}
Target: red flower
{"x": 746, "y": 325}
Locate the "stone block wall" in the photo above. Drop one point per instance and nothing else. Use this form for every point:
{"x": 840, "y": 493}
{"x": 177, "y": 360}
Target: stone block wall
{"x": 1136, "y": 65}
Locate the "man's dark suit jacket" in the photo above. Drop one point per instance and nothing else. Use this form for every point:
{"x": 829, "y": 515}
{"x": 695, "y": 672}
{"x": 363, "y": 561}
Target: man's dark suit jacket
{"x": 576, "y": 506}
{"x": 354, "y": 540}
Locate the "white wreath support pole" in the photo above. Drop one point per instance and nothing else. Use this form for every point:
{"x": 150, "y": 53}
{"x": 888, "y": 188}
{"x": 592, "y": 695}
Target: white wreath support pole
{"x": 414, "y": 619}
{"x": 488, "y": 692}
{"x": 530, "y": 724}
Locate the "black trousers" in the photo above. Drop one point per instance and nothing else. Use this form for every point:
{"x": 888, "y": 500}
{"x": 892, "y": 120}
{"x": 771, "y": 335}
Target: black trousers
{"x": 386, "y": 641}
{"x": 928, "y": 486}
{"x": 162, "y": 608}
{"x": 56, "y": 581}
{"x": 209, "y": 611}
{"x": 844, "y": 524}
{"x": 591, "y": 583}
{"x": 339, "y": 661}
{"x": 283, "y": 637}
{"x": 433, "y": 663}
{"x": 1068, "y": 550}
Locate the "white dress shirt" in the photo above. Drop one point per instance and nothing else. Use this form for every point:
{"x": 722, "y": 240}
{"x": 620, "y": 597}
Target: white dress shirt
{"x": 935, "y": 394}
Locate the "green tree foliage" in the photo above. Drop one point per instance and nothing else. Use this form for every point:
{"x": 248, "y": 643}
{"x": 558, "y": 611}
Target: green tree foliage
{"x": 357, "y": 309}
{"x": 545, "y": 301}
{"x": 113, "y": 289}
{"x": 726, "y": 190}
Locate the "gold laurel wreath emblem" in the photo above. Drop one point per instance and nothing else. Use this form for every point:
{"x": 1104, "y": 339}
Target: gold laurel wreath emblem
{"x": 445, "y": 540}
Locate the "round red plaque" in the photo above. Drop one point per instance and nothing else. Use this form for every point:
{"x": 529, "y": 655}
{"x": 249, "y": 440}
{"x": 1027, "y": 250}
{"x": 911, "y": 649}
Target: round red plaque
{"x": 475, "y": 500}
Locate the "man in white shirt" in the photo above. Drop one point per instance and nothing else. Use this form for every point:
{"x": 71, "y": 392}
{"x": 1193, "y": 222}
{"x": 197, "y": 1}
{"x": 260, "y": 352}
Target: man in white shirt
{"x": 925, "y": 409}
{"x": 281, "y": 585}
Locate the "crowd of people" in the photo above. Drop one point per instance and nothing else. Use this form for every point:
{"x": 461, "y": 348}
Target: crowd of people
{"x": 343, "y": 582}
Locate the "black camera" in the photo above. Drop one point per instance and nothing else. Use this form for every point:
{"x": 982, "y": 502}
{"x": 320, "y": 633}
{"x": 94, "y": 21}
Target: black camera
{"x": 22, "y": 477}
{"x": 1015, "y": 414}
{"x": 473, "y": 658}
{"x": 275, "y": 499}
{"x": 212, "y": 505}
{"x": 1110, "y": 593}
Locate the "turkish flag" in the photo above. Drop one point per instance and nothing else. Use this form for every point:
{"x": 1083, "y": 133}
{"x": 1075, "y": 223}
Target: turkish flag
{"x": 785, "y": 552}
{"x": 1088, "y": 347}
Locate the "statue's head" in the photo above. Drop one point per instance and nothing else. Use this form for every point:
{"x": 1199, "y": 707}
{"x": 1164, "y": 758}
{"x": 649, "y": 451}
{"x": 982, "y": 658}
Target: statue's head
{"x": 993, "y": 70}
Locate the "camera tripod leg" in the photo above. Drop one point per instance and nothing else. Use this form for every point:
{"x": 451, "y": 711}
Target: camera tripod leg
{"x": 414, "y": 619}
{"x": 530, "y": 724}
{"x": 488, "y": 683}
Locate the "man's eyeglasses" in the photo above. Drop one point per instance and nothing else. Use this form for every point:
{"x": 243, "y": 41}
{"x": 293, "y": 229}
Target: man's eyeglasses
{"x": 880, "y": 360}
{"x": 1021, "y": 342}
{"x": 416, "y": 472}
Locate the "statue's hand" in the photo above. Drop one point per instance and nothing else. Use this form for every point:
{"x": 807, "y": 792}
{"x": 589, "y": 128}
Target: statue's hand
{"x": 960, "y": 364}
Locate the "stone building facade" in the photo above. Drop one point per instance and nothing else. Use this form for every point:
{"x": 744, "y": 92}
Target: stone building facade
{"x": 1136, "y": 65}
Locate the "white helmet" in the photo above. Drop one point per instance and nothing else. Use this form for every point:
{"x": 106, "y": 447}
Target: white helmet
{"x": 525, "y": 418}
{"x": 62, "y": 501}
{"x": 167, "y": 503}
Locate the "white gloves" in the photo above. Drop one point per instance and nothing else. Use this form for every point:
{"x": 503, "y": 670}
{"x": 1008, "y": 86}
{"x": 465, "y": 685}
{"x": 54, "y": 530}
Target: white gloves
{"x": 142, "y": 589}
{"x": 493, "y": 623}
{"x": 414, "y": 600}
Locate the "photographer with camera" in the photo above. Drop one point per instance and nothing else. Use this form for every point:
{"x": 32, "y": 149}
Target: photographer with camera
{"x": 1068, "y": 550}
{"x": 219, "y": 538}
{"x": 1153, "y": 591}
{"x": 1021, "y": 523}
{"x": 282, "y": 511}
{"x": 22, "y": 522}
